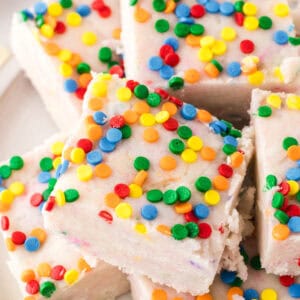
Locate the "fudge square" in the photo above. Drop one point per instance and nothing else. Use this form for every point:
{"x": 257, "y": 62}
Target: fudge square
{"x": 157, "y": 181}
{"x": 46, "y": 265}
{"x": 276, "y": 118}
{"x": 214, "y": 52}
{"x": 57, "y": 43}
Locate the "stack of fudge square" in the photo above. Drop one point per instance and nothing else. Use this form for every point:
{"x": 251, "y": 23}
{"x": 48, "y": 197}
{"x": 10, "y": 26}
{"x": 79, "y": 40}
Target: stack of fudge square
{"x": 149, "y": 183}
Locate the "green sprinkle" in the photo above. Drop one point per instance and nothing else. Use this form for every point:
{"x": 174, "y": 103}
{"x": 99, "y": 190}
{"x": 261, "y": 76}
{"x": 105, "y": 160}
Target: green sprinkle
{"x": 39, "y": 21}
{"x": 281, "y": 216}
{"x": 47, "y": 288}
{"x": 277, "y": 200}
{"x": 192, "y": 228}
{"x": 159, "y": 5}
{"x": 197, "y": 29}
{"x": 288, "y": 142}
{"x": 46, "y": 193}
{"x": 52, "y": 183}
{"x": 133, "y": 2}
{"x": 238, "y": 6}
{"x": 141, "y": 163}
{"x": 179, "y": 232}
{"x": 228, "y": 149}
{"x": 126, "y": 132}
{"x": 154, "y": 99}
{"x": 203, "y": 184}
{"x": 46, "y": 164}
{"x": 235, "y": 133}
{"x": 16, "y": 163}
{"x": 182, "y": 29}
{"x": 265, "y": 22}
{"x": 295, "y": 41}
{"x": 111, "y": 64}
{"x": 264, "y": 111}
{"x": 105, "y": 54}
{"x": 271, "y": 181}
{"x": 83, "y": 68}
{"x": 71, "y": 195}
{"x": 154, "y": 196}
{"x": 66, "y": 3}
{"x": 170, "y": 197}
{"x": 245, "y": 255}
{"x": 255, "y": 263}
{"x": 176, "y": 83}
{"x": 184, "y": 194}
{"x": 184, "y": 132}
{"x": 237, "y": 282}
{"x": 217, "y": 65}
{"x": 298, "y": 196}
{"x": 141, "y": 91}
{"x": 23, "y": 16}
{"x": 5, "y": 172}
{"x": 162, "y": 25}
{"x": 176, "y": 146}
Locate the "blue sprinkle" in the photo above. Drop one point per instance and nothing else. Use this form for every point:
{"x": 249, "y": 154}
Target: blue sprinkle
{"x": 155, "y": 63}
{"x": 182, "y": 10}
{"x": 234, "y": 69}
{"x": 280, "y": 37}
{"x": 44, "y": 177}
{"x": 202, "y": 1}
{"x": 188, "y": 111}
{"x": 32, "y": 244}
{"x": 293, "y": 174}
{"x": 230, "y": 140}
{"x": 41, "y": 206}
{"x": 106, "y": 146}
{"x": 173, "y": 42}
{"x": 149, "y": 212}
{"x": 40, "y": 8}
{"x": 58, "y": 171}
{"x": 201, "y": 211}
{"x": 70, "y": 85}
{"x": 83, "y": 10}
{"x": 294, "y": 290}
{"x": 114, "y": 135}
{"x": 298, "y": 163}
{"x": 218, "y": 126}
{"x": 228, "y": 277}
{"x": 28, "y": 14}
{"x": 64, "y": 166}
{"x": 294, "y": 224}
{"x": 1, "y": 180}
{"x": 166, "y": 72}
{"x": 250, "y": 294}
{"x": 2, "y": 188}
{"x": 100, "y": 117}
{"x": 94, "y": 157}
{"x": 187, "y": 20}
{"x": 227, "y": 8}
{"x": 212, "y": 7}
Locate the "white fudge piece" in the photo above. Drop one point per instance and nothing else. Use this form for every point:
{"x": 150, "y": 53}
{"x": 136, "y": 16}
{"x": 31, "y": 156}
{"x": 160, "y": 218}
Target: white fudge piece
{"x": 51, "y": 61}
{"x": 224, "y": 93}
{"x": 295, "y": 10}
{"x": 277, "y": 179}
{"x": 117, "y": 212}
{"x": 46, "y": 265}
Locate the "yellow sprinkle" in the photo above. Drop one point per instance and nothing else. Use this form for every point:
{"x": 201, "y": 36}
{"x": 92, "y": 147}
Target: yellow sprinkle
{"x": 249, "y": 9}
{"x": 124, "y": 210}
{"x": 6, "y": 197}
{"x": 71, "y": 276}
{"x": 55, "y": 9}
{"x": 207, "y": 41}
{"x": 281, "y": 10}
{"x": 17, "y": 188}
{"x": 251, "y": 23}
{"x": 77, "y": 155}
{"x": 205, "y": 54}
{"x": 105, "y": 76}
{"x": 135, "y": 190}
{"x": 228, "y": 34}
{"x": 268, "y": 294}
{"x": 84, "y": 172}
{"x": 83, "y": 266}
{"x": 60, "y": 198}
{"x": 294, "y": 187}
{"x": 124, "y": 94}
{"x": 47, "y": 31}
{"x": 89, "y": 38}
{"x": 256, "y": 78}
{"x": 274, "y": 100}
{"x": 162, "y": 116}
{"x": 278, "y": 74}
{"x": 170, "y": 6}
{"x": 65, "y": 70}
{"x": 73, "y": 19}
{"x": 147, "y": 119}
{"x": 10, "y": 246}
{"x": 212, "y": 197}
{"x": 64, "y": 55}
{"x": 56, "y": 162}
{"x": 195, "y": 143}
{"x": 293, "y": 102}
{"x": 140, "y": 228}
{"x": 99, "y": 89}
{"x": 44, "y": 270}
{"x": 57, "y": 148}
{"x": 219, "y": 48}
{"x": 189, "y": 155}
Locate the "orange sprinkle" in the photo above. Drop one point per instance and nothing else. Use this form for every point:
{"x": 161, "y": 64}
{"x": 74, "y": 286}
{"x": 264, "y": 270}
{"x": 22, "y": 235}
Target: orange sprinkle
{"x": 94, "y": 132}
{"x": 95, "y": 104}
{"x": 4, "y": 207}
{"x": 159, "y": 294}
{"x": 177, "y": 298}
{"x": 84, "y": 79}
{"x": 233, "y": 292}
{"x": 50, "y": 21}
{"x": 83, "y": 266}
{"x": 208, "y": 153}
{"x": 211, "y": 70}
{"x": 221, "y": 183}
{"x": 191, "y": 76}
{"x": 168, "y": 163}
{"x": 102, "y": 170}
{"x": 44, "y": 270}
{"x": 293, "y": 152}
{"x": 89, "y": 120}
{"x": 141, "y": 107}
{"x": 141, "y": 15}
{"x": 10, "y": 244}
{"x": 29, "y": 298}
{"x": 75, "y": 60}
{"x": 207, "y": 296}
{"x": 182, "y": 208}
{"x": 280, "y": 232}
{"x": 236, "y": 159}
{"x": 151, "y": 135}
{"x": 130, "y": 116}
{"x": 40, "y": 234}
{"x": 170, "y": 107}
{"x": 116, "y": 34}
{"x": 204, "y": 116}
{"x": 51, "y": 49}
{"x": 193, "y": 40}
{"x": 140, "y": 177}
{"x": 27, "y": 275}
{"x": 112, "y": 200}
{"x": 170, "y": 6}
{"x": 164, "y": 229}
{"x": 67, "y": 153}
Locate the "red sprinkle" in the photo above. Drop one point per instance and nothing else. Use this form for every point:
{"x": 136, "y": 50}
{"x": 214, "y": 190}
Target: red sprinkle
{"x": 131, "y": 84}
{"x": 172, "y": 59}
{"x": 197, "y": 11}
{"x": 285, "y": 204}
{"x": 284, "y": 188}
{"x": 293, "y": 210}
{"x": 299, "y": 262}
{"x": 4, "y": 223}
{"x": 162, "y": 93}
{"x": 36, "y": 199}
{"x": 221, "y": 229}
{"x": 176, "y": 101}
{"x": 225, "y": 170}
{"x": 106, "y": 216}
{"x": 18, "y": 237}
{"x": 60, "y": 27}
{"x": 117, "y": 121}
{"x": 32, "y": 287}
{"x": 85, "y": 144}
{"x": 247, "y": 46}
{"x": 204, "y": 230}
{"x": 286, "y": 280}
{"x": 239, "y": 18}
{"x": 104, "y": 11}
{"x": 122, "y": 190}
{"x": 165, "y": 50}
{"x": 190, "y": 217}
{"x": 171, "y": 124}
{"x": 50, "y": 203}
{"x": 58, "y": 272}
{"x": 97, "y": 4}
{"x": 80, "y": 92}
{"x": 116, "y": 69}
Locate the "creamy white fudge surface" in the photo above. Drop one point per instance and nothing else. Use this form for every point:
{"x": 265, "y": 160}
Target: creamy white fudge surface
{"x": 276, "y": 118}
{"x": 157, "y": 180}
{"x": 57, "y": 46}
{"x": 46, "y": 265}
{"x": 221, "y": 50}
{"x": 295, "y": 10}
